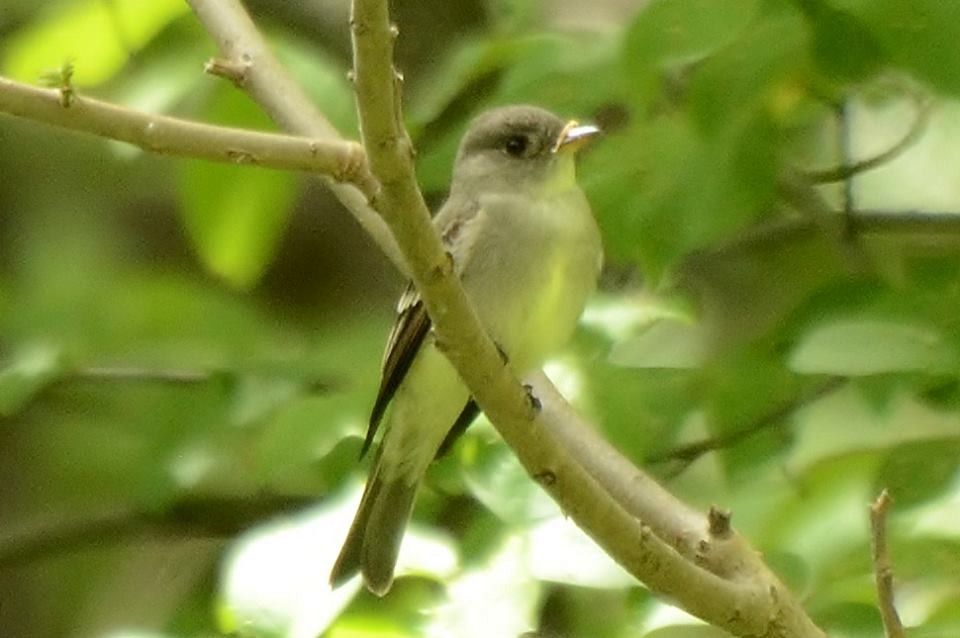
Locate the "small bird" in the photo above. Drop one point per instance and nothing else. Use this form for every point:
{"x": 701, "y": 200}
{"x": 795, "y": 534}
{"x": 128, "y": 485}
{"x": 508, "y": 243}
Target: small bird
{"x": 527, "y": 250}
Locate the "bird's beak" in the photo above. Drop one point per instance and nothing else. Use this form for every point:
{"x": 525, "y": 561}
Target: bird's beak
{"x": 574, "y": 136}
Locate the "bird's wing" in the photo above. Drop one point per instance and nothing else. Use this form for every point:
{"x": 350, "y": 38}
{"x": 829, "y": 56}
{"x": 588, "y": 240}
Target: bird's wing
{"x": 412, "y": 322}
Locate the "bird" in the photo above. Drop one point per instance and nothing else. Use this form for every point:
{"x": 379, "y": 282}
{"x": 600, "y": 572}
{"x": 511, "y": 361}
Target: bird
{"x": 527, "y": 250}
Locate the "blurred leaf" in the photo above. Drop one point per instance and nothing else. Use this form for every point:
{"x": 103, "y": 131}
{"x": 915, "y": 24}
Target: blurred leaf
{"x": 28, "y": 373}
{"x": 843, "y": 47}
{"x": 494, "y": 475}
{"x": 687, "y": 631}
{"x": 306, "y": 447}
{"x": 235, "y": 215}
{"x": 669, "y": 32}
{"x": 258, "y": 396}
{"x": 98, "y": 36}
{"x": 509, "y": 598}
{"x": 666, "y": 343}
{"x": 919, "y": 36}
{"x": 918, "y": 472}
{"x": 561, "y": 552}
{"x": 323, "y": 78}
{"x": 275, "y": 579}
{"x": 864, "y": 431}
{"x": 865, "y": 345}
{"x": 763, "y": 70}
{"x": 853, "y": 620}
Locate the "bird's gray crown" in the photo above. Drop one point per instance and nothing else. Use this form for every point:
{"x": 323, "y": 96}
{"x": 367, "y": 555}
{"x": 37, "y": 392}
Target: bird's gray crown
{"x": 517, "y": 131}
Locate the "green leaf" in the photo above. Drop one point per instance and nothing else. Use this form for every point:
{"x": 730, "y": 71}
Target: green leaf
{"x": 323, "y": 78}
{"x": 98, "y": 36}
{"x": 919, "y": 36}
{"x": 843, "y": 46}
{"x": 666, "y": 343}
{"x": 30, "y": 371}
{"x": 495, "y": 477}
{"x": 918, "y": 472}
{"x": 669, "y": 32}
{"x": 510, "y": 598}
{"x": 864, "y": 345}
{"x": 235, "y": 215}
{"x": 764, "y": 69}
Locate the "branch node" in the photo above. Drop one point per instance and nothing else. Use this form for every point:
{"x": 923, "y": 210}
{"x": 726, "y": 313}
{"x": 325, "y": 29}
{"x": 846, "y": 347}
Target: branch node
{"x": 535, "y": 405}
{"x": 62, "y": 80}
{"x": 719, "y": 523}
{"x": 444, "y": 268}
{"x": 242, "y": 157}
{"x": 233, "y": 70}
{"x": 545, "y": 477}
{"x": 394, "y": 31}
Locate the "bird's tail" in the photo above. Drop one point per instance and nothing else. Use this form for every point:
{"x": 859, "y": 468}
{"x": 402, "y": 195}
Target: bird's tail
{"x": 373, "y": 541}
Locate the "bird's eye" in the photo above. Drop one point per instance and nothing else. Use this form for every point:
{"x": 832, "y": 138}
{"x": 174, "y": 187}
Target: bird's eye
{"x": 516, "y": 145}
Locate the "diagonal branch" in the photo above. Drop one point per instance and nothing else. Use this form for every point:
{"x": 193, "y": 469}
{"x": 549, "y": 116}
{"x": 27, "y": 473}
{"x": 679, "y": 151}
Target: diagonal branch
{"x": 341, "y": 160}
{"x": 719, "y": 579}
{"x": 269, "y": 84}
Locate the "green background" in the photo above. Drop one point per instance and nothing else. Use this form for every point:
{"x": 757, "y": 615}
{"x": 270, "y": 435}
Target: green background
{"x": 188, "y": 351}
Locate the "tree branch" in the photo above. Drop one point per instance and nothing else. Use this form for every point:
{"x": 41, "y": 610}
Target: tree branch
{"x": 207, "y": 517}
{"x": 883, "y": 574}
{"x": 684, "y": 455}
{"x": 850, "y": 169}
{"x": 341, "y": 160}
{"x": 269, "y": 84}
{"x": 725, "y": 584}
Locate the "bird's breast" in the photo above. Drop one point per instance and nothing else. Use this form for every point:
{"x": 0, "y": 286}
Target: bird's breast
{"x": 531, "y": 271}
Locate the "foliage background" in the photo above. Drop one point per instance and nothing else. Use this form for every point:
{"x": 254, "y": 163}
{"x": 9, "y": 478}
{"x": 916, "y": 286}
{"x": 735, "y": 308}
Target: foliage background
{"x": 188, "y": 351}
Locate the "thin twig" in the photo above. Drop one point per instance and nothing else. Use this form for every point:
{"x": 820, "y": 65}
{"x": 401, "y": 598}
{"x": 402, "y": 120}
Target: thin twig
{"x": 685, "y": 455}
{"x": 850, "y": 169}
{"x": 177, "y": 376}
{"x": 190, "y": 517}
{"x": 883, "y": 573}
{"x": 129, "y": 373}
{"x": 340, "y": 160}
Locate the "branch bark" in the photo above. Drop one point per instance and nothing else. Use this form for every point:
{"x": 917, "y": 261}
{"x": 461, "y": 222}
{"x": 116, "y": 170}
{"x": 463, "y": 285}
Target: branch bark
{"x": 654, "y": 536}
{"x": 341, "y": 160}
{"x": 709, "y": 570}
{"x": 269, "y": 84}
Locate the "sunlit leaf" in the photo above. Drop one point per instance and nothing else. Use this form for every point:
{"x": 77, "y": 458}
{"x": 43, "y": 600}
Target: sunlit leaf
{"x": 25, "y": 375}
{"x": 853, "y": 346}
{"x": 235, "y": 214}
{"x": 842, "y": 45}
{"x": 97, "y": 36}
{"x": 509, "y": 598}
{"x": 679, "y": 31}
{"x": 275, "y": 578}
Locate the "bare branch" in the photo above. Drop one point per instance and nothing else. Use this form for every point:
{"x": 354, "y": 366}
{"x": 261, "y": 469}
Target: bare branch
{"x": 340, "y": 160}
{"x": 747, "y": 599}
{"x": 269, "y": 84}
{"x": 883, "y": 574}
